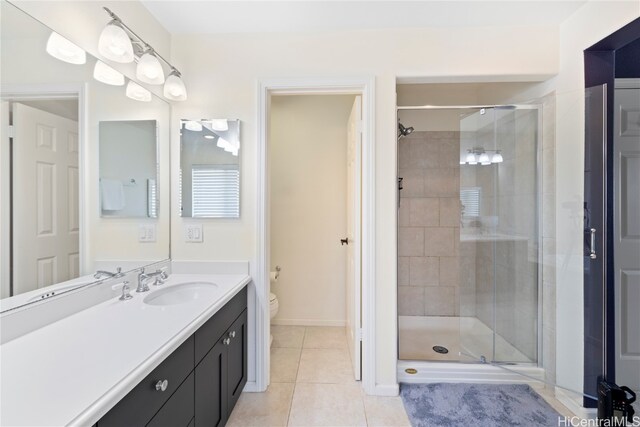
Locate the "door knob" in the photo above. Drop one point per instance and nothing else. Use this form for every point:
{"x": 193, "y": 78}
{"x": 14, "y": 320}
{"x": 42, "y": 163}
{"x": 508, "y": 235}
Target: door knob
{"x": 344, "y": 241}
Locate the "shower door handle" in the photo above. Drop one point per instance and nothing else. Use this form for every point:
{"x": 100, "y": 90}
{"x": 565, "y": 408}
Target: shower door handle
{"x": 592, "y": 245}
{"x": 344, "y": 241}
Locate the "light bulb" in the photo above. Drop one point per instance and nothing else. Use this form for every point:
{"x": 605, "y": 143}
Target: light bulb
{"x": 115, "y": 44}
{"x": 62, "y": 49}
{"x": 174, "y": 87}
{"x": 149, "y": 69}
{"x": 220, "y": 125}
{"x": 137, "y": 92}
{"x": 497, "y": 158}
{"x": 105, "y": 74}
{"x": 193, "y": 126}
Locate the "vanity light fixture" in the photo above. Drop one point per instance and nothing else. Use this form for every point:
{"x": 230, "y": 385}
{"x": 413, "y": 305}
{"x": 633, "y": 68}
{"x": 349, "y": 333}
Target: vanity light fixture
{"x": 497, "y": 157}
{"x": 220, "y": 125}
{"x": 137, "y": 92}
{"x": 105, "y": 74}
{"x": 478, "y": 155}
{"x": 114, "y": 43}
{"x": 174, "y": 87}
{"x": 149, "y": 69}
{"x": 64, "y": 50}
{"x": 192, "y": 125}
{"x": 120, "y": 43}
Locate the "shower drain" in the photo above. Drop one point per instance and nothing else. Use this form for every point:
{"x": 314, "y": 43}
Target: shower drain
{"x": 440, "y": 349}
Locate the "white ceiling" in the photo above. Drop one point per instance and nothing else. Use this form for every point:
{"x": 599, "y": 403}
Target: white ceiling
{"x": 238, "y": 16}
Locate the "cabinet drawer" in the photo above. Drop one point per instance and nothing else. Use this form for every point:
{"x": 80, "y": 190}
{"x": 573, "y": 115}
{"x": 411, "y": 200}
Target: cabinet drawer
{"x": 178, "y": 411}
{"x": 140, "y": 405}
{"x": 209, "y": 333}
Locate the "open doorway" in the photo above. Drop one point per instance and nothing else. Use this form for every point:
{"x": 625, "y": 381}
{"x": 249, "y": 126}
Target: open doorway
{"x": 314, "y": 177}
{"x": 359, "y": 312}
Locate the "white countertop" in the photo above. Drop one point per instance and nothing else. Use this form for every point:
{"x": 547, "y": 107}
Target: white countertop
{"x": 73, "y": 371}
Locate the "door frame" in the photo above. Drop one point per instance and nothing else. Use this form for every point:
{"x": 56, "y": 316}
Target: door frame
{"x": 365, "y": 88}
{"x": 24, "y": 92}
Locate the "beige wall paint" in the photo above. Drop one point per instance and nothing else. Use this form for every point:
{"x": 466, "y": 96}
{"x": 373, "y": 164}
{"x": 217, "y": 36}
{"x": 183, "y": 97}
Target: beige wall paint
{"x": 308, "y": 167}
{"x": 223, "y": 83}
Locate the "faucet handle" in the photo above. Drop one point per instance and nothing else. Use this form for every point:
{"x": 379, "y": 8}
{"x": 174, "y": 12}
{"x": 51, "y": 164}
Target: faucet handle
{"x": 125, "y": 291}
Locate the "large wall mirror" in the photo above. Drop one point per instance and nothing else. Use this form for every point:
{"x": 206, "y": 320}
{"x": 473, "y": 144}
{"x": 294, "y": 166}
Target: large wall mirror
{"x": 210, "y": 168}
{"x": 84, "y": 166}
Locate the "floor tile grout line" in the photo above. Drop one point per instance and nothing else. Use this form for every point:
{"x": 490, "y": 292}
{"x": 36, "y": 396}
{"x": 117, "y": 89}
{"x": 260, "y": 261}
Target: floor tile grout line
{"x": 295, "y": 381}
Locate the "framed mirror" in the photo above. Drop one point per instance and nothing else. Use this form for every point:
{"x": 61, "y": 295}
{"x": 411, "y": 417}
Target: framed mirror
{"x": 65, "y": 127}
{"x": 129, "y": 168}
{"x": 210, "y": 168}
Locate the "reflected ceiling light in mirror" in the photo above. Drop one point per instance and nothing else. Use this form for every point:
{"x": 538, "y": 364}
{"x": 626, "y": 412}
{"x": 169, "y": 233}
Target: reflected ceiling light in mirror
{"x": 115, "y": 44}
{"x": 64, "y": 50}
{"x": 209, "y": 137}
{"x": 137, "y": 92}
{"x": 105, "y": 74}
{"x": 220, "y": 125}
{"x": 193, "y": 126}
{"x": 174, "y": 87}
{"x": 484, "y": 159}
{"x": 497, "y": 158}
{"x": 149, "y": 69}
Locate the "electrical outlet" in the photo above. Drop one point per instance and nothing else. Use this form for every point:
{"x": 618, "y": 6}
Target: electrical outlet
{"x": 193, "y": 233}
{"x": 147, "y": 233}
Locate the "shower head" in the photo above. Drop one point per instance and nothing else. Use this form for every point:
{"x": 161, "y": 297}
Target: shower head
{"x": 404, "y": 131}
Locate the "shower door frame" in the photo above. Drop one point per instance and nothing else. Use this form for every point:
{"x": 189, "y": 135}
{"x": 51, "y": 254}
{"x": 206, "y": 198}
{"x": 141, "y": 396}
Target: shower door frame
{"x": 539, "y": 187}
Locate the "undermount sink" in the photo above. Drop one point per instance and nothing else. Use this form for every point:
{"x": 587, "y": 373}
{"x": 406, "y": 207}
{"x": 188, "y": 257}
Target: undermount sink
{"x": 180, "y": 294}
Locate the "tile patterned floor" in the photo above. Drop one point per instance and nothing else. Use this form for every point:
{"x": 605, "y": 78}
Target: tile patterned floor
{"x": 312, "y": 385}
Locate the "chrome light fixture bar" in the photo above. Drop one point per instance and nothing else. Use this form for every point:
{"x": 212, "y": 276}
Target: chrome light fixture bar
{"x": 119, "y": 43}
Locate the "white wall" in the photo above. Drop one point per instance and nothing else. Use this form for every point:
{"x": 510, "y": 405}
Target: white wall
{"x": 223, "y": 83}
{"x": 308, "y": 152}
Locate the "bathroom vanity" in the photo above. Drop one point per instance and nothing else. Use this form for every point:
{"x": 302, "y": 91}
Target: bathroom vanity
{"x": 197, "y": 384}
{"x": 173, "y": 356}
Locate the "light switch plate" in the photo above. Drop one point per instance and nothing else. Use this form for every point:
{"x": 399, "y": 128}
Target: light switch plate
{"x": 146, "y": 233}
{"x": 193, "y": 233}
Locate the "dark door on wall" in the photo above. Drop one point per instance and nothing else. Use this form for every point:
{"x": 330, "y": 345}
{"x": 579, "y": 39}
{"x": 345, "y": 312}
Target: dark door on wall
{"x": 612, "y": 58}
{"x": 594, "y": 232}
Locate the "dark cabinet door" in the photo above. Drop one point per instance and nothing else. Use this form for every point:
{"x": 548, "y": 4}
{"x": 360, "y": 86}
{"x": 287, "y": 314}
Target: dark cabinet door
{"x": 236, "y": 360}
{"x": 178, "y": 411}
{"x": 210, "y": 387}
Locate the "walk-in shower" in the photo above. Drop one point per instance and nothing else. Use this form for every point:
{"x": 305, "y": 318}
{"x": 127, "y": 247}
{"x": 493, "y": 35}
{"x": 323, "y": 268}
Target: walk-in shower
{"x": 469, "y": 237}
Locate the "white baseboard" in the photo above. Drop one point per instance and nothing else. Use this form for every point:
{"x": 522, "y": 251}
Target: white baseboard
{"x": 307, "y": 322}
{"x": 251, "y": 387}
{"x": 573, "y": 402}
{"x": 385, "y": 390}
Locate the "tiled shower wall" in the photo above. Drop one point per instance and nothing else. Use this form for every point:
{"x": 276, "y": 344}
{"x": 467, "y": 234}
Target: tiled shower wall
{"x": 429, "y": 229}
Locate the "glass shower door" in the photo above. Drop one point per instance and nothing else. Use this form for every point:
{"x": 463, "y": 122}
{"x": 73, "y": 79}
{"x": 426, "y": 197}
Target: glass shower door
{"x": 478, "y": 214}
{"x": 499, "y": 238}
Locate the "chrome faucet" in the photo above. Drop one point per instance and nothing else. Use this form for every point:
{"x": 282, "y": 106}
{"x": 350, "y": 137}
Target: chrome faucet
{"x": 102, "y": 273}
{"x": 143, "y": 279}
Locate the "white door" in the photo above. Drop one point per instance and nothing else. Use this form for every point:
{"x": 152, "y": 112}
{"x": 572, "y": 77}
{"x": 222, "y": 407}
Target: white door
{"x": 627, "y": 236}
{"x": 45, "y": 199}
{"x": 354, "y": 216}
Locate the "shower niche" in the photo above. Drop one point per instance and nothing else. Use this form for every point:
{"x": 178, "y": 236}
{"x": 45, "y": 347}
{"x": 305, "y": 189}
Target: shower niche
{"x": 470, "y": 235}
